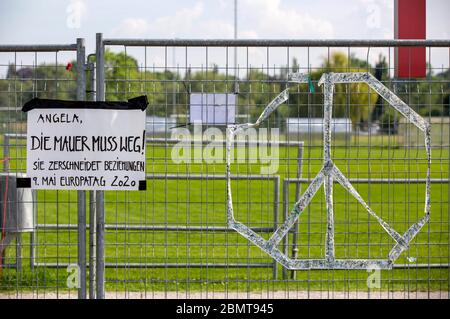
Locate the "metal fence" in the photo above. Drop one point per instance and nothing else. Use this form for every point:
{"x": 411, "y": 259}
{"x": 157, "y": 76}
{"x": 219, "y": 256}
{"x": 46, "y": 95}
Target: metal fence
{"x": 45, "y": 71}
{"x": 173, "y": 240}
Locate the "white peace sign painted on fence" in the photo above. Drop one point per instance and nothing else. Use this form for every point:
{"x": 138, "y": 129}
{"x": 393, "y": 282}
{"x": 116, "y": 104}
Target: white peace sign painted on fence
{"x": 326, "y": 177}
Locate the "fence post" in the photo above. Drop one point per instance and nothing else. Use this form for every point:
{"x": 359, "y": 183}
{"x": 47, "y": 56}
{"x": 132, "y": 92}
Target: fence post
{"x": 33, "y": 237}
{"x": 298, "y": 190}
{"x": 92, "y": 246}
{"x": 81, "y": 96}
{"x": 285, "y": 191}
{"x": 100, "y": 209}
{"x": 92, "y": 214}
{"x": 18, "y": 238}
{"x": 276, "y": 204}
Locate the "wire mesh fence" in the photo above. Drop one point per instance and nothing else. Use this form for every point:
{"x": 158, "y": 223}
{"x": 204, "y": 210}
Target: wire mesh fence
{"x": 44, "y": 71}
{"x": 174, "y": 239}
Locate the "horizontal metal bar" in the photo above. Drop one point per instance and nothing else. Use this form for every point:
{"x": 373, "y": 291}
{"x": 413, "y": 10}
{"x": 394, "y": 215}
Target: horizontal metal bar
{"x": 110, "y": 227}
{"x": 420, "y": 266}
{"x": 275, "y": 43}
{"x": 193, "y": 265}
{"x": 152, "y": 228}
{"x": 37, "y": 47}
{"x": 237, "y": 142}
{"x": 210, "y": 177}
{"x": 15, "y": 135}
{"x": 219, "y": 265}
{"x": 163, "y": 265}
{"x": 377, "y": 180}
{"x": 175, "y": 141}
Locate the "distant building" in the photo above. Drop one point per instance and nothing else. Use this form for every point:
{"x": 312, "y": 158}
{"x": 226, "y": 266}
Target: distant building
{"x": 410, "y": 135}
{"x": 22, "y": 73}
{"x": 25, "y": 73}
{"x": 315, "y": 125}
{"x": 159, "y": 125}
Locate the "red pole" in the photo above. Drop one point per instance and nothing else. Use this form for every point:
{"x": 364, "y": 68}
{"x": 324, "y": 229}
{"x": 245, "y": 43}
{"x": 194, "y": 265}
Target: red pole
{"x": 410, "y": 23}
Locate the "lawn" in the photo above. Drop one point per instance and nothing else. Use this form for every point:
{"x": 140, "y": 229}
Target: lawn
{"x": 202, "y": 203}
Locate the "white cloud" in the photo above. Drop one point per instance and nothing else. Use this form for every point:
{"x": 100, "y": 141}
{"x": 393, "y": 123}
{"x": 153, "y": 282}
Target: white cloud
{"x": 223, "y": 4}
{"x": 133, "y": 27}
{"x": 183, "y": 22}
{"x": 385, "y": 3}
{"x": 256, "y": 19}
{"x": 269, "y": 19}
{"x": 76, "y": 11}
{"x": 248, "y": 34}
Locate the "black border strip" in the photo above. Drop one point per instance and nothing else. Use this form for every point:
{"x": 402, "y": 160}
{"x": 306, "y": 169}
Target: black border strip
{"x": 142, "y": 185}
{"x": 136, "y": 103}
{"x": 23, "y": 182}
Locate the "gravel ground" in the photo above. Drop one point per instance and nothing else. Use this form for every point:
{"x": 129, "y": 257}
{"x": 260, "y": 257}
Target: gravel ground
{"x": 238, "y": 295}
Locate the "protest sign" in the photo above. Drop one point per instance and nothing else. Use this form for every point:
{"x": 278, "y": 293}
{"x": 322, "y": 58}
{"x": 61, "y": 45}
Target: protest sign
{"x": 86, "y": 145}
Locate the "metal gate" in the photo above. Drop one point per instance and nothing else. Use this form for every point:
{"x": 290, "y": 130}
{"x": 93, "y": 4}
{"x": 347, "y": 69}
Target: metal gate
{"x": 44, "y": 71}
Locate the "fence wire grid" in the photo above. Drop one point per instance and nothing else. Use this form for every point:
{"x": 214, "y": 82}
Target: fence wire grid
{"x": 173, "y": 240}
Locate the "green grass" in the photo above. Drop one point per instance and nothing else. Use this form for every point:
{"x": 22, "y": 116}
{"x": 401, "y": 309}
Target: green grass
{"x": 193, "y": 202}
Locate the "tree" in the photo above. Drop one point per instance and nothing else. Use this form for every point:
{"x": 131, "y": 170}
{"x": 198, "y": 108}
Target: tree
{"x": 43, "y": 81}
{"x": 381, "y": 74}
{"x": 256, "y": 90}
{"x": 121, "y": 75}
{"x": 355, "y": 101}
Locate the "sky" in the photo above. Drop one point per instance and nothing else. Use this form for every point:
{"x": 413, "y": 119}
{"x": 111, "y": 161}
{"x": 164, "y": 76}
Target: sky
{"x": 61, "y": 21}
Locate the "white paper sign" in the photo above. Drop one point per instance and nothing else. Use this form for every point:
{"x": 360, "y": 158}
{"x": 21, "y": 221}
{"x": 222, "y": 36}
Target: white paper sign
{"x": 212, "y": 108}
{"x": 86, "y": 149}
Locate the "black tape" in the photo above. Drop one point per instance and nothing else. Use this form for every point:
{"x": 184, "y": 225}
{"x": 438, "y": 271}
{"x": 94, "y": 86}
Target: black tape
{"x": 137, "y": 103}
{"x": 143, "y": 185}
{"x": 24, "y": 182}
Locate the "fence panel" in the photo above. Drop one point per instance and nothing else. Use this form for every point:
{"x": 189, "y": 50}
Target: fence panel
{"x": 169, "y": 241}
{"x": 53, "y": 72}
